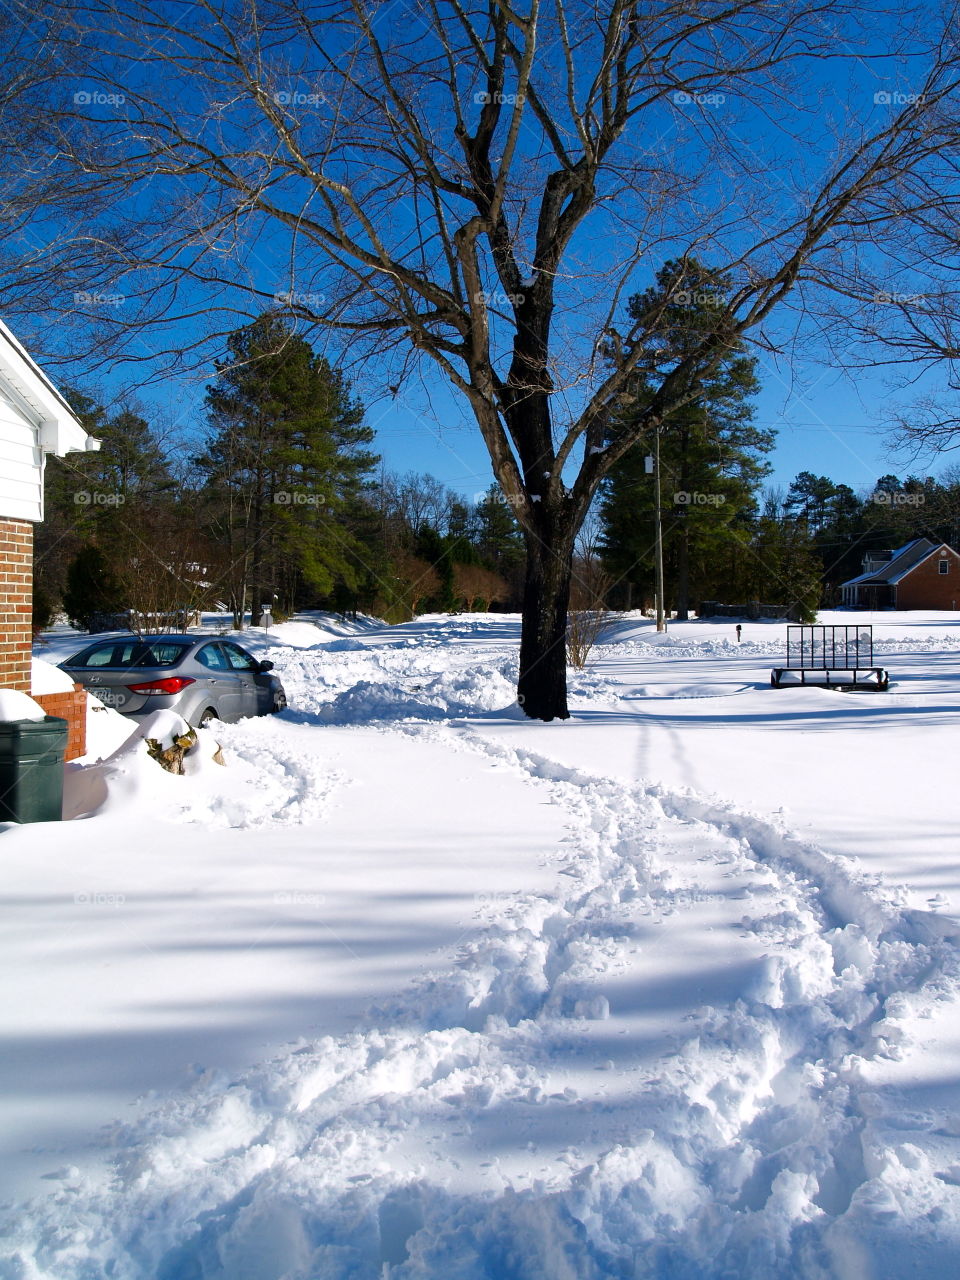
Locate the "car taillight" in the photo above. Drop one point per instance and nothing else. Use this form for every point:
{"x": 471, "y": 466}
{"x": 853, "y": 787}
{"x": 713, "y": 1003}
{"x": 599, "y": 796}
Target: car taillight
{"x": 171, "y": 684}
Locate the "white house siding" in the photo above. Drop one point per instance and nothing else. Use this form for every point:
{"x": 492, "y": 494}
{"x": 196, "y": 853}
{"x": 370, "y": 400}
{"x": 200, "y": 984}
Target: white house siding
{"x": 21, "y": 464}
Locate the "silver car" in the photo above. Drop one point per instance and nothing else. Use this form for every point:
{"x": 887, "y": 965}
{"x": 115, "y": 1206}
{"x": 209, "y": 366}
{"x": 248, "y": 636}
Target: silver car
{"x": 202, "y": 678}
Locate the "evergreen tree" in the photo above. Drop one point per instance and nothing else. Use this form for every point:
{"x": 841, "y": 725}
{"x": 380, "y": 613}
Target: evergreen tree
{"x": 459, "y": 535}
{"x": 91, "y": 586}
{"x": 436, "y": 552}
{"x": 130, "y": 461}
{"x": 285, "y": 463}
{"x": 808, "y": 499}
{"x": 103, "y": 499}
{"x": 710, "y": 452}
{"x": 783, "y": 567}
{"x": 498, "y": 538}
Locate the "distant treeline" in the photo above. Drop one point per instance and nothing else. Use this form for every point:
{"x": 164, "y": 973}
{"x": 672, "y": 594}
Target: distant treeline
{"x": 276, "y": 499}
{"x": 791, "y": 547}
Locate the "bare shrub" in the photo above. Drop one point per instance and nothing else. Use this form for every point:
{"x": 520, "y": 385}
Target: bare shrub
{"x": 588, "y": 617}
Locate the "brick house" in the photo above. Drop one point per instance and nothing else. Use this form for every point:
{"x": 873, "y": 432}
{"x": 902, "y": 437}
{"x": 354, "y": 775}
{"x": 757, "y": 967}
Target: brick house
{"x": 920, "y": 575}
{"x": 35, "y": 421}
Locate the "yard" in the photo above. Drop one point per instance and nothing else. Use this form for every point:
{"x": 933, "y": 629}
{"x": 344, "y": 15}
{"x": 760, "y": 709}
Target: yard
{"x": 417, "y": 987}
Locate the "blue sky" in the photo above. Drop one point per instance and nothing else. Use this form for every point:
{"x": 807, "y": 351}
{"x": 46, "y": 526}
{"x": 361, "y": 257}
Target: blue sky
{"x": 827, "y": 423}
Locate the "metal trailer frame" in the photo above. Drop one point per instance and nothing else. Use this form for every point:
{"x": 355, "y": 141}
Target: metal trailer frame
{"x": 845, "y": 651}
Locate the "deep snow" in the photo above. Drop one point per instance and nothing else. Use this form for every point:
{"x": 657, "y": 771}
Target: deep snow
{"x": 474, "y": 997}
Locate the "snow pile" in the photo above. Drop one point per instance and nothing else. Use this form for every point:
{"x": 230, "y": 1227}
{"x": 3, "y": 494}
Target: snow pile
{"x": 308, "y": 630}
{"x": 685, "y": 644}
{"x": 312, "y": 679}
{"x": 445, "y": 695}
{"x": 294, "y": 635}
{"x": 347, "y": 645}
{"x": 128, "y": 777}
{"x": 261, "y": 781}
{"x": 46, "y": 678}
{"x": 590, "y": 686}
{"x": 15, "y": 705}
{"x": 267, "y": 780}
{"x": 107, "y": 731}
{"x": 668, "y": 648}
{"x": 163, "y": 726}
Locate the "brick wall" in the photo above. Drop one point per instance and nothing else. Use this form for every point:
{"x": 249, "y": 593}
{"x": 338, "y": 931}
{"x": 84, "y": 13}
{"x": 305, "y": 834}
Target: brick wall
{"x": 927, "y": 588}
{"x": 16, "y": 603}
{"x": 71, "y": 707}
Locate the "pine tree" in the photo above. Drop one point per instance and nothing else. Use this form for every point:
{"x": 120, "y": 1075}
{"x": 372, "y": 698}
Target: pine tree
{"x": 104, "y": 499}
{"x": 286, "y": 462}
{"x": 783, "y": 567}
{"x": 460, "y": 535}
{"x": 710, "y": 453}
{"x": 438, "y": 553}
{"x": 498, "y": 537}
{"x": 91, "y": 586}
{"x": 808, "y": 499}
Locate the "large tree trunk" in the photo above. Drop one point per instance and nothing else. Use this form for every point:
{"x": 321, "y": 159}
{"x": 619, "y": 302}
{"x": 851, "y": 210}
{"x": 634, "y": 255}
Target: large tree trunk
{"x": 542, "y": 687}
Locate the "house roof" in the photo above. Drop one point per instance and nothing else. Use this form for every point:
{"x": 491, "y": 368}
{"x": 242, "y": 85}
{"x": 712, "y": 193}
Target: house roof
{"x": 902, "y": 561}
{"x": 60, "y": 430}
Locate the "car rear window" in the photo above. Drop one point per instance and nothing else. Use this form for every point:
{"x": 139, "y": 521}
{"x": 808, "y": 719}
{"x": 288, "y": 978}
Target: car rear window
{"x": 131, "y": 653}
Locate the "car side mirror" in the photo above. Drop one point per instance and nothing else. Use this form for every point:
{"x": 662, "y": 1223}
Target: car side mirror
{"x": 266, "y": 666}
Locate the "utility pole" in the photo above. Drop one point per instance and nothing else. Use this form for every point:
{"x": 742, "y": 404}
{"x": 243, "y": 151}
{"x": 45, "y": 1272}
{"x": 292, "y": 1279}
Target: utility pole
{"x": 658, "y": 542}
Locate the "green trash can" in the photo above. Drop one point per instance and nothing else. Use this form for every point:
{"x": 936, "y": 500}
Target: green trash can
{"x": 31, "y": 769}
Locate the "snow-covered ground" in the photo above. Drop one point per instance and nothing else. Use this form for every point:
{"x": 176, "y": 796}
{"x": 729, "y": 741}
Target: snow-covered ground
{"x": 417, "y": 988}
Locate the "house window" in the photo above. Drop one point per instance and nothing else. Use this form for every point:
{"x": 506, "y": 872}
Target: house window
{"x": 944, "y": 566}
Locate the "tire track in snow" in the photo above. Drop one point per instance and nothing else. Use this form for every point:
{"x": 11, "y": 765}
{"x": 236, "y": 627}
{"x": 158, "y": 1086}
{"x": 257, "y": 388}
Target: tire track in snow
{"x": 739, "y": 1149}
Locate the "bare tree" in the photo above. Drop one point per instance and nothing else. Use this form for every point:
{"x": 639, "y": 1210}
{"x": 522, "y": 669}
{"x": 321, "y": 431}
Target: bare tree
{"x": 476, "y": 187}
{"x": 587, "y": 617}
{"x": 478, "y": 587}
{"x": 415, "y": 580}
{"x": 416, "y": 499}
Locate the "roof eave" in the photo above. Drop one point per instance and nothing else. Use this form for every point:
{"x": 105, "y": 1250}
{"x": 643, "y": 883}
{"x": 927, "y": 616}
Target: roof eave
{"x": 60, "y": 431}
